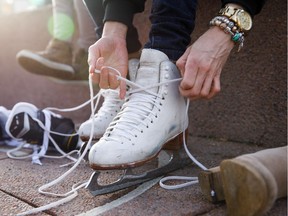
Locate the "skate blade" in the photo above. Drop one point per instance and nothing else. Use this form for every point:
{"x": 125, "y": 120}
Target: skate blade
{"x": 167, "y": 161}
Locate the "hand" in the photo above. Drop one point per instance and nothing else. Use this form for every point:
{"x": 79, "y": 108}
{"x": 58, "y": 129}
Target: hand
{"x": 202, "y": 63}
{"x": 110, "y": 50}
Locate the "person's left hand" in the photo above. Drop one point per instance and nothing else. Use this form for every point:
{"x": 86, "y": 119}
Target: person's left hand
{"x": 202, "y": 63}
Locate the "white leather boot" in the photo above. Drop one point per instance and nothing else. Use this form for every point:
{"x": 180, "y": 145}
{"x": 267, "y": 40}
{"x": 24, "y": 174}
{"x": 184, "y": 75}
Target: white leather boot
{"x": 108, "y": 110}
{"x": 148, "y": 119}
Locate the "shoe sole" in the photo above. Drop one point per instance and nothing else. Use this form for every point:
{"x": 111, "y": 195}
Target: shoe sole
{"x": 245, "y": 189}
{"x": 42, "y": 66}
{"x": 174, "y": 144}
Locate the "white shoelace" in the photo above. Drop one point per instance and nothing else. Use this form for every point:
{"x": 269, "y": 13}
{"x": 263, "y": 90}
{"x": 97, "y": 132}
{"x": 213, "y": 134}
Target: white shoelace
{"x": 74, "y": 191}
{"x": 108, "y": 105}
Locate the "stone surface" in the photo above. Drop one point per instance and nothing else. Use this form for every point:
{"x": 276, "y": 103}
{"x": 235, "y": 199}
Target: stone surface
{"x": 20, "y": 181}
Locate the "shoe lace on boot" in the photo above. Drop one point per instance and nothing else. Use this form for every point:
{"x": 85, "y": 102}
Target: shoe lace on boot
{"x": 143, "y": 95}
{"x": 111, "y": 104}
{"x": 139, "y": 106}
{"x": 132, "y": 114}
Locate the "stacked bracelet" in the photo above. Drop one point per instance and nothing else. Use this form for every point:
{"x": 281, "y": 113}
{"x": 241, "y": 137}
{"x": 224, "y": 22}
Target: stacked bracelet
{"x": 229, "y": 27}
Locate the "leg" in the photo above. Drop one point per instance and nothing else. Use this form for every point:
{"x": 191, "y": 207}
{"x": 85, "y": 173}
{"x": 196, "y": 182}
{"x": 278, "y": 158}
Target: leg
{"x": 63, "y": 20}
{"x": 56, "y": 59}
{"x": 172, "y": 23}
{"x": 87, "y": 36}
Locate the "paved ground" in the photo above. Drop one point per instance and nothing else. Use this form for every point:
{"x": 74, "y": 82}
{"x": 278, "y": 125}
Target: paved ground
{"x": 20, "y": 181}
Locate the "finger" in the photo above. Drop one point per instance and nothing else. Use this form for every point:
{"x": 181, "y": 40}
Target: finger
{"x": 187, "y": 94}
{"x": 103, "y": 75}
{"x": 181, "y": 62}
{"x": 113, "y": 80}
{"x": 122, "y": 92}
{"x": 95, "y": 76}
{"x": 93, "y": 56}
{"x": 189, "y": 77}
{"x": 216, "y": 87}
{"x": 104, "y": 78}
{"x": 197, "y": 87}
{"x": 206, "y": 88}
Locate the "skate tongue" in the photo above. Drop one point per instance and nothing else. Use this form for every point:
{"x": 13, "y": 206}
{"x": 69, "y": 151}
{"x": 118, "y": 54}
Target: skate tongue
{"x": 149, "y": 71}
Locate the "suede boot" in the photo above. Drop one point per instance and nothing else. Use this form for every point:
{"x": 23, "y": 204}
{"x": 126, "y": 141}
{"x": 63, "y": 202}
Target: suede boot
{"x": 253, "y": 182}
{"x": 250, "y": 183}
{"x": 55, "y": 61}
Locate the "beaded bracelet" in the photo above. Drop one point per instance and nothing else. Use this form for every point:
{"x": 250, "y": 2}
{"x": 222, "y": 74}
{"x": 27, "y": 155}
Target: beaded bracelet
{"x": 229, "y": 27}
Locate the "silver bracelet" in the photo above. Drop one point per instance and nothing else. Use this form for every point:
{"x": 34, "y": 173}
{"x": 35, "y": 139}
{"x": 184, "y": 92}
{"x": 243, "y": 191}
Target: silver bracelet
{"x": 229, "y": 27}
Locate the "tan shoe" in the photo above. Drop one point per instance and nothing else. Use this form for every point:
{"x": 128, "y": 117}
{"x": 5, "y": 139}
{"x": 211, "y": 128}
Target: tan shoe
{"x": 249, "y": 183}
{"x": 80, "y": 65}
{"x": 253, "y": 182}
{"x": 54, "y": 61}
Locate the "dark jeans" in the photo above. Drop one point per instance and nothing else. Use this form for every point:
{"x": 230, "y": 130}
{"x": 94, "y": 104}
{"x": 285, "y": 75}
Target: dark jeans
{"x": 172, "y": 22}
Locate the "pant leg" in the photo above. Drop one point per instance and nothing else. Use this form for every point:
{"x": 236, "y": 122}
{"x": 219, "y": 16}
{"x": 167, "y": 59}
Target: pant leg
{"x": 63, "y": 20}
{"x": 172, "y": 23}
{"x": 86, "y": 26}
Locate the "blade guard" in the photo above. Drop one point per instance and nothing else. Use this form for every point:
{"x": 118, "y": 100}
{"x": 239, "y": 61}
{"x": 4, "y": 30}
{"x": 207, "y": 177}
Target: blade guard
{"x": 129, "y": 179}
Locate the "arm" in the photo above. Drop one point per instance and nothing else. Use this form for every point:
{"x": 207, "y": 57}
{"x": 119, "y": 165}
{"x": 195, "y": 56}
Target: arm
{"x": 111, "y": 49}
{"x": 202, "y": 63}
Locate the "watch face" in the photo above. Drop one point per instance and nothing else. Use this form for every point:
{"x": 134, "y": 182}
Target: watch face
{"x": 245, "y": 21}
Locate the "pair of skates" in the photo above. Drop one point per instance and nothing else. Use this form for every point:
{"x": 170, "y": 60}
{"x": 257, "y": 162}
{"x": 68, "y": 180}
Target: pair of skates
{"x": 147, "y": 128}
{"x": 130, "y": 133}
{"x": 154, "y": 118}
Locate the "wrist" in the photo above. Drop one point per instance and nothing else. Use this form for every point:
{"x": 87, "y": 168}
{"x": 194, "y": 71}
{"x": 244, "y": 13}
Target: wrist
{"x": 115, "y": 29}
{"x": 220, "y": 35}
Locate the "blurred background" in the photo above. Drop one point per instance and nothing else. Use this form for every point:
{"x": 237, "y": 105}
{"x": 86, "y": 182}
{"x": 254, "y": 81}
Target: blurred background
{"x": 15, "y": 6}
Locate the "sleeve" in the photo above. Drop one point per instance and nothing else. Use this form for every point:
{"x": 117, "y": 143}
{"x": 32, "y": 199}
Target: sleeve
{"x": 122, "y": 10}
{"x": 253, "y": 7}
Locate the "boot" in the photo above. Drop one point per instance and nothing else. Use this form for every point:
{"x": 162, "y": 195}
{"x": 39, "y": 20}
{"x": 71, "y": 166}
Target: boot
{"x": 110, "y": 107}
{"x": 55, "y": 61}
{"x": 253, "y": 182}
{"x": 80, "y": 65}
{"x": 250, "y": 183}
{"x": 148, "y": 119}
{"x": 108, "y": 110}
{"x": 25, "y": 121}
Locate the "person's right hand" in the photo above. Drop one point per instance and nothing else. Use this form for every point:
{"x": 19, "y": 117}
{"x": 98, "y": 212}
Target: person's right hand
{"x": 110, "y": 51}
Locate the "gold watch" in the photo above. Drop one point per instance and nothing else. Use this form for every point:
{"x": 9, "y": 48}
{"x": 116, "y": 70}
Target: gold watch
{"x": 239, "y": 16}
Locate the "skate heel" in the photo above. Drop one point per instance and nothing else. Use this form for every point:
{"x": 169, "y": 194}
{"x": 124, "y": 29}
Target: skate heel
{"x": 177, "y": 142}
